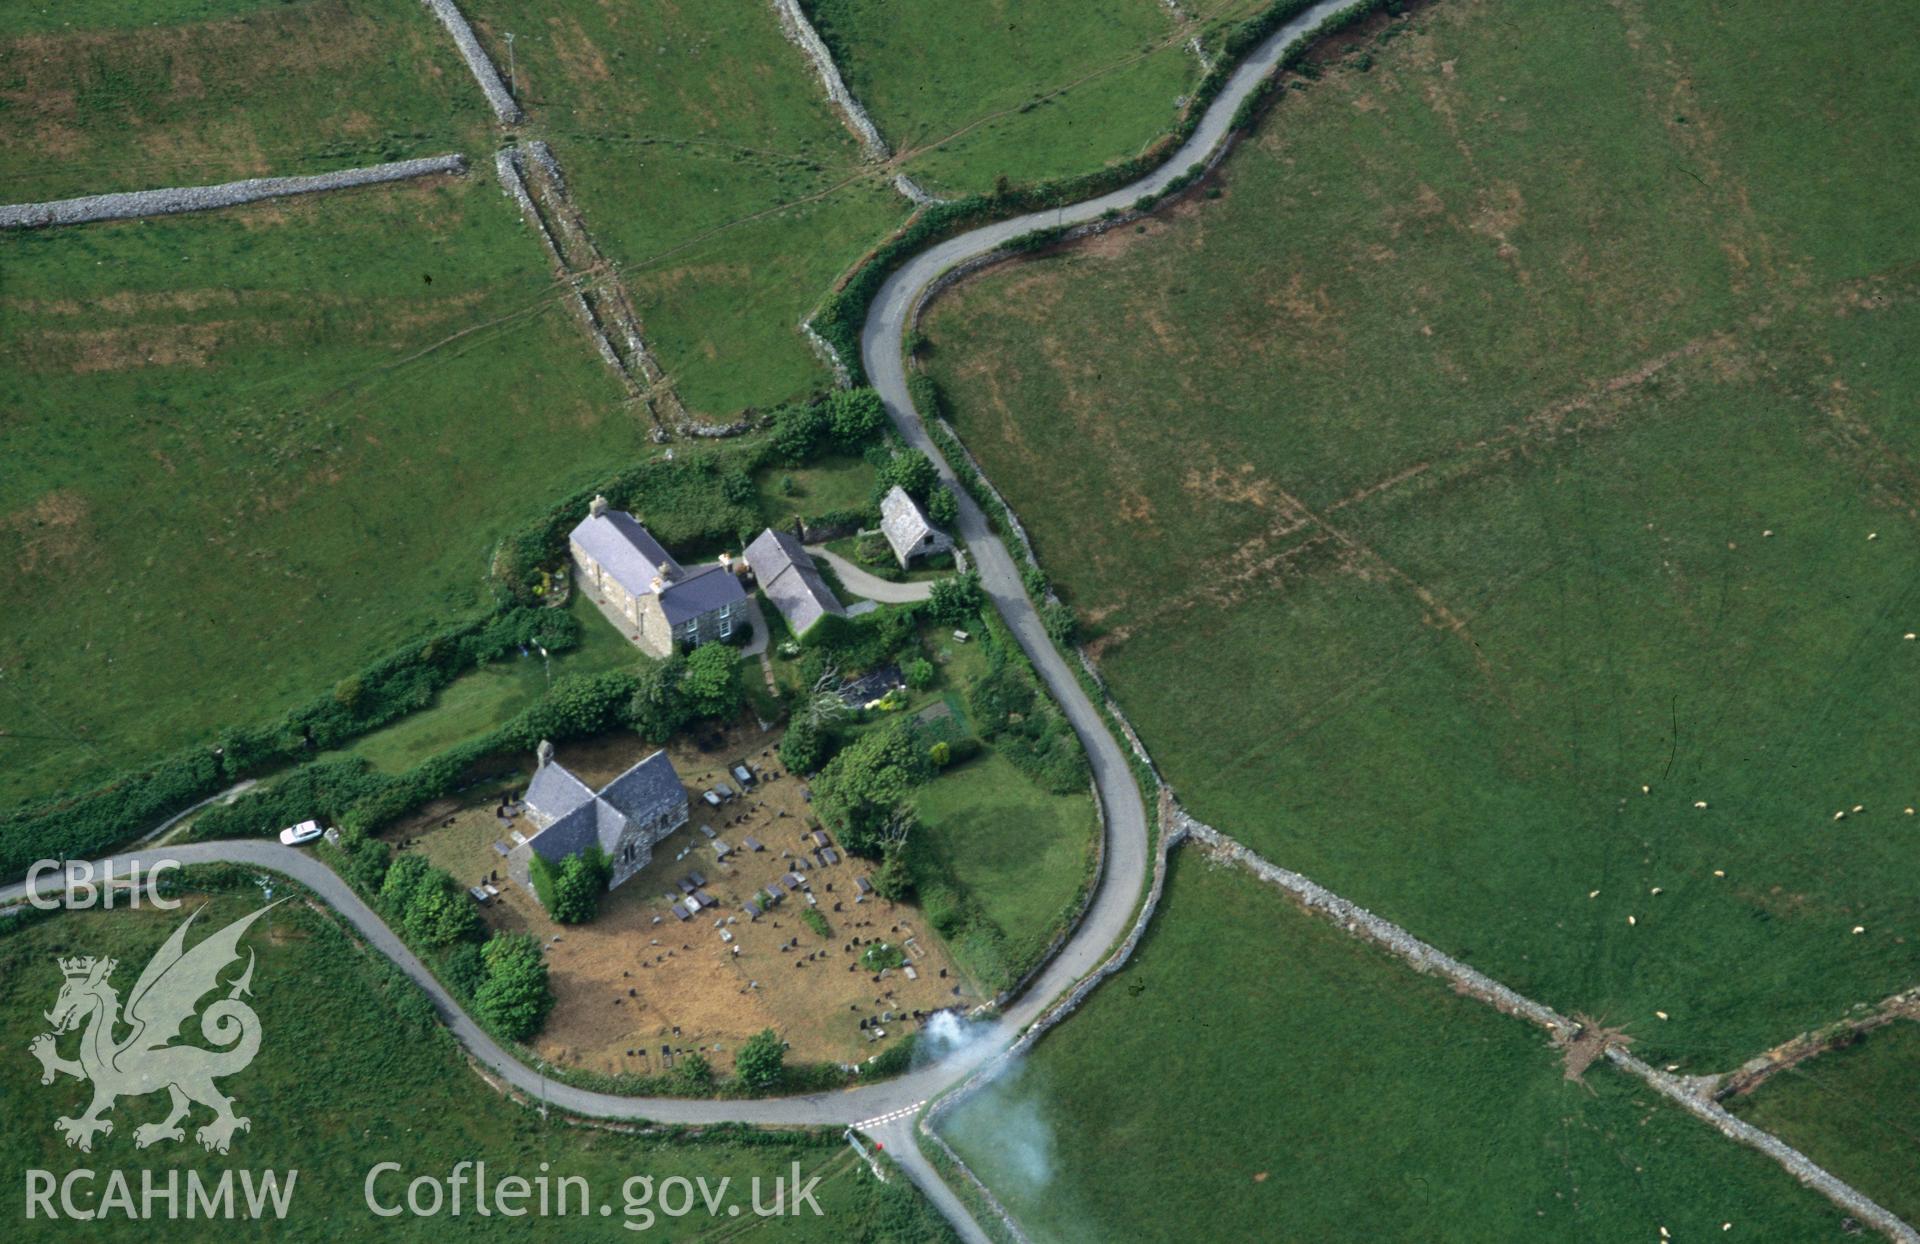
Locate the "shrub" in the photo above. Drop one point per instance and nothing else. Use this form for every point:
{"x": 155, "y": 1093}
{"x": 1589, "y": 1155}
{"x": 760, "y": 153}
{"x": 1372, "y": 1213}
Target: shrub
{"x": 695, "y": 1072}
{"x": 855, "y": 416}
{"x": 940, "y": 754}
{"x": 799, "y": 430}
{"x": 812, "y": 918}
{"x": 955, "y": 601}
{"x": 405, "y": 877}
{"x": 515, "y": 997}
{"x": 806, "y": 746}
{"x": 893, "y": 880}
{"x": 579, "y": 886}
{"x": 942, "y": 507}
{"x": 711, "y": 686}
{"x": 919, "y": 673}
{"x": 759, "y": 1063}
{"x": 437, "y": 914}
{"x": 912, "y": 471}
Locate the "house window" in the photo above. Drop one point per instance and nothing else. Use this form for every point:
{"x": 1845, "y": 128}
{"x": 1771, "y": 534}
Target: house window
{"x": 726, "y": 622}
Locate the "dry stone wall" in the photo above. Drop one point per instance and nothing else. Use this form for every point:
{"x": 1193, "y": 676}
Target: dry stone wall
{"x": 134, "y": 204}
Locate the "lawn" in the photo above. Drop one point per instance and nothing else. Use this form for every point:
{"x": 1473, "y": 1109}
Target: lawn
{"x": 1017, "y": 854}
{"x": 340, "y": 1031}
{"x": 246, "y": 455}
{"x": 1526, "y": 495}
{"x": 706, "y": 161}
{"x": 227, "y": 90}
{"x": 1262, "y": 1073}
{"x": 830, "y": 483}
{"x": 480, "y": 701}
{"x": 972, "y": 90}
{"x": 1851, "y": 1111}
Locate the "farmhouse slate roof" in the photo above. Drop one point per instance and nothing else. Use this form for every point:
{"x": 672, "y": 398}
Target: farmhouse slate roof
{"x": 626, "y": 550}
{"x": 699, "y": 592}
{"x": 904, "y": 526}
{"x": 787, "y": 574}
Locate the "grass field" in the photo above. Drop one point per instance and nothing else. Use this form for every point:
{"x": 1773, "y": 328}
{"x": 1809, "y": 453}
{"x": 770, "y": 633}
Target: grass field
{"x": 1019, "y": 853}
{"x": 1454, "y": 429}
{"x": 835, "y": 482}
{"x": 1851, "y": 1110}
{"x": 478, "y": 702}
{"x": 246, "y": 455}
{"x": 702, "y": 153}
{"x": 168, "y": 94}
{"x": 1264, "y": 1074}
{"x": 340, "y": 1032}
{"x": 973, "y": 90}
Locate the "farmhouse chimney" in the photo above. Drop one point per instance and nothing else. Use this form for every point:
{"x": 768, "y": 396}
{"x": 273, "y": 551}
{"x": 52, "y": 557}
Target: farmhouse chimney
{"x": 544, "y": 753}
{"x": 597, "y": 506}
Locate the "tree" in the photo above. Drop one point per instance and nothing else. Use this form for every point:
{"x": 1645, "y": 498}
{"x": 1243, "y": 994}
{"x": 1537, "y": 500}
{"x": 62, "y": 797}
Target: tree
{"x": 860, "y": 790}
{"x": 712, "y": 686}
{"x": 579, "y": 705}
{"x": 656, "y": 709}
{"x": 919, "y": 673}
{"x": 855, "y": 415}
{"x": 799, "y": 429}
{"x": 956, "y": 600}
{"x": 515, "y": 997}
{"x": 893, "y": 880}
{"x": 436, "y": 916}
{"x": 579, "y": 885}
{"x": 943, "y": 508}
{"x": 913, "y": 471}
{"x": 696, "y": 1072}
{"x": 760, "y": 1061}
{"x": 806, "y": 745}
{"x": 403, "y": 878}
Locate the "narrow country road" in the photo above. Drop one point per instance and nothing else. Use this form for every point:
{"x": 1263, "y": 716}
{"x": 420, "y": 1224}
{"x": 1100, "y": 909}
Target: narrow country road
{"x": 871, "y": 586}
{"x": 1126, "y": 859}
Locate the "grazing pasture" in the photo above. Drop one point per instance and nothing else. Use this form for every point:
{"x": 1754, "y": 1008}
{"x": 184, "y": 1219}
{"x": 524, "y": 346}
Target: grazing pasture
{"x": 709, "y": 166}
{"x": 1841, "y": 1110}
{"x": 1262, "y": 1072}
{"x": 250, "y": 450}
{"x": 129, "y": 97}
{"x": 970, "y": 91}
{"x": 1504, "y": 512}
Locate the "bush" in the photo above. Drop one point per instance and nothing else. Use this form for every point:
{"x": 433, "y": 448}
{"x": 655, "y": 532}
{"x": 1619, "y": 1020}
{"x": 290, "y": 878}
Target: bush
{"x": 695, "y": 1072}
{"x": 942, "y": 507}
{"x": 799, "y": 430}
{"x": 515, "y": 997}
{"x": 812, "y": 918}
{"x": 579, "y": 886}
{"x": 912, "y": 471}
{"x": 806, "y": 746}
{"x": 955, "y": 601}
{"x": 759, "y": 1063}
{"x": 893, "y": 880}
{"x": 855, "y": 416}
{"x": 406, "y": 876}
{"x": 711, "y": 686}
{"x": 437, "y": 913}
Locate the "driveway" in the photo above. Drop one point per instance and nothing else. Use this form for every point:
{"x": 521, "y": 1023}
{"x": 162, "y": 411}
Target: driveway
{"x": 871, "y": 586}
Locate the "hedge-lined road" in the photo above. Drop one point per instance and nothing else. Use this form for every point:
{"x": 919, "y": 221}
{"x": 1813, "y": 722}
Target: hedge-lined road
{"x": 1125, "y": 866}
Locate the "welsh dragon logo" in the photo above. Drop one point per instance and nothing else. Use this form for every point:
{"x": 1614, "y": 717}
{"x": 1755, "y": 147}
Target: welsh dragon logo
{"x": 145, "y": 1060}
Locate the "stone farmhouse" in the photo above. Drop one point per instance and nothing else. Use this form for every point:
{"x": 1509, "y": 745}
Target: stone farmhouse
{"x": 637, "y": 583}
{"x": 907, "y": 530}
{"x": 625, "y": 818}
{"x": 786, "y": 573}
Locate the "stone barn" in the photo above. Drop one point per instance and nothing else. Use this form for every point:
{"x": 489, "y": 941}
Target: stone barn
{"x": 907, "y": 530}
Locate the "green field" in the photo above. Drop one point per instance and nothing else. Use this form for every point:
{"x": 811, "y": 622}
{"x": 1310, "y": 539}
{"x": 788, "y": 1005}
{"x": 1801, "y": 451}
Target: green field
{"x": 477, "y": 702}
{"x": 1254, "y": 1073}
{"x": 226, "y": 90}
{"x": 1850, "y": 1110}
{"x": 834, "y": 482}
{"x": 972, "y": 90}
{"x": 1452, "y": 429}
{"x": 1019, "y": 853}
{"x": 342, "y": 1033}
{"x": 702, "y": 153}
{"x": 246, "y": 455}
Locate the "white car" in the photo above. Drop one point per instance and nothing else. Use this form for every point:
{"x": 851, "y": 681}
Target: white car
{"x": 301, "y": 834}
